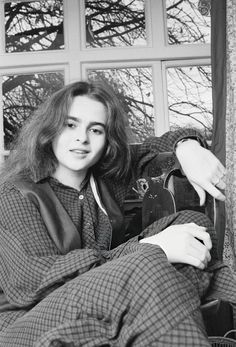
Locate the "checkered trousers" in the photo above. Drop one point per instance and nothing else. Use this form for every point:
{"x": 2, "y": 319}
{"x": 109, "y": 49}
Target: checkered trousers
{"x": 137, "y": 299}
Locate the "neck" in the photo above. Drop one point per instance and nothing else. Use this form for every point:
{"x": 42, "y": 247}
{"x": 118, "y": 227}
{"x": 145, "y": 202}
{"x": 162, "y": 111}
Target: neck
{"x": 71, "y": 179}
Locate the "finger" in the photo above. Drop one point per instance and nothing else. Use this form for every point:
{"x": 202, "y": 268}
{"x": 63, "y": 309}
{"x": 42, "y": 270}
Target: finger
{"x": 198, "y": 250}
{"x": 216, "y": 179}
{"x": 216, "y": 193}
{"x": 213, "y": 191}
{"x": 197, "y": 262}
{"x": 205, "y": 263}
{"x": 201, "y": 193}
{"x": 217, "y": 163}
{"x": 194, "y": 262}
{"x": 219, "y": 181}
{"x": 222, "y": 169}
{"x": 221, "y": 185}
{"x": 219, "y": 175}
{"x": 202, "y": 235}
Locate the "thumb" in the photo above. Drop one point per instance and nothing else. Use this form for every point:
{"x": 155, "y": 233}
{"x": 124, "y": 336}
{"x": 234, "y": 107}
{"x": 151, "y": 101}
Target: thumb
{"x": 201, "y": 193}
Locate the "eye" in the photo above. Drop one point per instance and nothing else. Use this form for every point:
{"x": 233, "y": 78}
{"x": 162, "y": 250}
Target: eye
{"x": 96, "y": 131}
{"x": 70, "y": 124}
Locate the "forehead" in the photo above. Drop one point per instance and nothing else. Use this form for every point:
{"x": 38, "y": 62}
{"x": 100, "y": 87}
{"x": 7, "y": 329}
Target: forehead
{"x": 85, "y": 108}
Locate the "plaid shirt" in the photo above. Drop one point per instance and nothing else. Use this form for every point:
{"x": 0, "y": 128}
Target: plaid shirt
{"x": 70, "y": 298}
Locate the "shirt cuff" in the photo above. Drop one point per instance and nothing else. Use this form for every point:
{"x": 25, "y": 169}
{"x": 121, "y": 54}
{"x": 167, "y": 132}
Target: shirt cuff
{"x": 186, "y": 138}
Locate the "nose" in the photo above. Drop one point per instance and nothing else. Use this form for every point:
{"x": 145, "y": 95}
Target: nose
{"x": 82, "y": 135}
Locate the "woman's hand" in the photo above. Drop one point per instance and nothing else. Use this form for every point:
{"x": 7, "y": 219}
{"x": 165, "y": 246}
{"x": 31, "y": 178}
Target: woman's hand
{"x": 184, "y": 243}
{"x": 203, "y": 170}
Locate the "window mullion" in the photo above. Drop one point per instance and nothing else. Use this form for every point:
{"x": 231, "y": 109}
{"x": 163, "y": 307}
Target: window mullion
{"x": 73, "y": 28}
{"x": 157, "y": 25}
{"x": 160, "y": 100}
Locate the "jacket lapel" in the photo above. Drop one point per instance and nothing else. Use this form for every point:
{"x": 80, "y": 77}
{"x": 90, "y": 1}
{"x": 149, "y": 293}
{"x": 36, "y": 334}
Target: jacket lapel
{"x": 61, "y": 228}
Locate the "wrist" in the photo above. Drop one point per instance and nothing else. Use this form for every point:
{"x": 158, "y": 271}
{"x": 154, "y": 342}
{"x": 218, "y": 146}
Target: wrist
{"x": 186, "y": 143}
{"x": 189, "y": 140}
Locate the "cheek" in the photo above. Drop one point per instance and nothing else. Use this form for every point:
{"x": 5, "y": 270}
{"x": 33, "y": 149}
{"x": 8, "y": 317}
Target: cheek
{"x": 100, "y": 147}
{"x": 54, "y": 146}
{"x": 57, "y": 145}
{"x": 104, "y": 144}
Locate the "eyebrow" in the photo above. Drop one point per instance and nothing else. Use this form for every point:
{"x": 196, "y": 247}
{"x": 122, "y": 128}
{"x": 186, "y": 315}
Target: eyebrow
{"x": 90, "y": 124}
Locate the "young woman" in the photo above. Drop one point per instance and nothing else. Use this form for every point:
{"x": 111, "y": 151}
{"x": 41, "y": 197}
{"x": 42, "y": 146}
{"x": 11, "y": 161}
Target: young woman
{"x": 66, "y": 274}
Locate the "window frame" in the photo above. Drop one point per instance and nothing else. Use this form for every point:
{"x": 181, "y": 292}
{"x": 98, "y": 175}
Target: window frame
{"x": 176, "y": 64}
{"x": 75, "y": 58}
{"x": 25, "y": 71}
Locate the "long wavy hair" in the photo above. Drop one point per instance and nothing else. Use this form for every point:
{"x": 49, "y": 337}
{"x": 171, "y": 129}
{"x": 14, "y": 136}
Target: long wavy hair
{"x": 32, "y": 154}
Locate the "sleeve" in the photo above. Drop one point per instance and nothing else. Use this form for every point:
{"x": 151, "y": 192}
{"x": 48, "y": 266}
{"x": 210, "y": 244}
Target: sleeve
{"x": 31, "y": 266}
{"x": 150, "y": 148}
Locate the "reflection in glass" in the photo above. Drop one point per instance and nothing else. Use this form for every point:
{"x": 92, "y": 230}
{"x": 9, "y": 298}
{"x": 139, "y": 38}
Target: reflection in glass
{"x": 21, "y": 96}
{"x": 34, "y": 25}
{"x": 188, "y": 21}
{"x": 115, "y": 23}
{"x": 133, "y": 86}
{"x": 190, "y": 98}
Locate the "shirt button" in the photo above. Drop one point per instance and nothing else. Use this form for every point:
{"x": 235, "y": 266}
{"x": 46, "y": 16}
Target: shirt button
{"x": 81, "y": 197}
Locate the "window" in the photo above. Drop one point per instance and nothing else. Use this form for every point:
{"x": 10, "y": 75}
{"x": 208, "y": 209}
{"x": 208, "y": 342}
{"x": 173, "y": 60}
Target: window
{"x": 189, "y": 96}
{"x": 188, "y": 22}
{"x": 115, "y": 23}
{"x": 21, "y": 96}
{"x": 155, "y": 54}
{"x": 33, "y": 26}
{"x": 133, "y": 85}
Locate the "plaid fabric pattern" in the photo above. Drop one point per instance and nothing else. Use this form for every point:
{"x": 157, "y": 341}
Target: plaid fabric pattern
{"x": 82, "y": 209}
{"x": 127, "y": 296}
{"x": 136, "y": 299}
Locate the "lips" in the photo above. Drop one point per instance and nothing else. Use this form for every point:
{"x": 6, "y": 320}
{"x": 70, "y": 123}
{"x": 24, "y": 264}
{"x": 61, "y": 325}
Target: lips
{"x": 79, "y": 151}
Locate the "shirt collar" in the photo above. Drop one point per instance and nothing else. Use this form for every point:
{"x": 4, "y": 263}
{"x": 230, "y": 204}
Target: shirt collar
{"x": 40, "y": 178}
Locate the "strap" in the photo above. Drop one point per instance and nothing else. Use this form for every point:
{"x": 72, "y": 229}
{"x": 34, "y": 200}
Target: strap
{"x": 114, "y": 213}
{"x": 96, "y": 194}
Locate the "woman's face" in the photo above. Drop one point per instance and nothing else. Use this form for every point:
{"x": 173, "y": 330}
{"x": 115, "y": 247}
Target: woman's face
{"x": 81, "y": 143}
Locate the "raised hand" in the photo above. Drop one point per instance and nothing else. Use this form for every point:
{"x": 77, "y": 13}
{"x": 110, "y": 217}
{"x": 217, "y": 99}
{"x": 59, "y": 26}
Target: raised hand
{"x": 203, "y": 170}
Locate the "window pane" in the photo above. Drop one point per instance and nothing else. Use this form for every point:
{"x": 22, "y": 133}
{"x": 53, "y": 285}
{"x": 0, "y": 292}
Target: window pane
{"x": 188, "y": 21}
{"x": 115, "y": 23}
{"x": 34, "y": 26}
{"x": 133, "y": 86}
{"x": 190, "y": 98}
{"x": 21, "y": 96}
